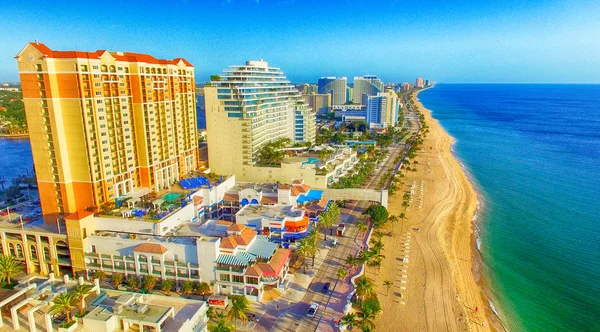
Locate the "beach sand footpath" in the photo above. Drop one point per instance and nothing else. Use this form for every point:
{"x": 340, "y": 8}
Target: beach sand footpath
{"x": 432, "y": 268}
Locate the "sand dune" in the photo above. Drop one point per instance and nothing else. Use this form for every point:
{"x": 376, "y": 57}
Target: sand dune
{"x": 436, "y": 289}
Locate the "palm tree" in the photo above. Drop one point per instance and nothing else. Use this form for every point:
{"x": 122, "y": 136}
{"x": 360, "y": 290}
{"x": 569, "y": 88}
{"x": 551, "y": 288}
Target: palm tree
{"x": 100, "y": 275}
{"x": 393, "y": 220}
{"x": 133, "y": 282}
{"x": 9, "y": 267}
{"x": 364, "y": 287}
{"x": 402, "y": 216}
{"x": 221, "y": 326}
{"x": 388, "y": 284}
{"x": 405, "y": 204}
{"x": 148, "y": 283}
{"x": 325, "y": 222}
{"x": 64, "y": 304}
{"x": 351, "y": 260}
{"x": 187, "y": 287}
{"x": 166, "y": 286}
{"x": 362, "y": 227}
{"x": 80, "y": 292}
{"x": 349, "y": 319}
{"x": 203, "y": 288}
{"x": 116, "y": 279}
{"x": 342, "y": 273}
{"x": 239, "y": 306}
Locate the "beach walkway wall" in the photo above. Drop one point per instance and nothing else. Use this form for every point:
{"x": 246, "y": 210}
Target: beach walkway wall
{"x": 372, "y": 195}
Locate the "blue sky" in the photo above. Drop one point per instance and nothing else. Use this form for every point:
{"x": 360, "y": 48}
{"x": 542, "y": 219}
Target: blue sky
{"x": 467, "y": 41}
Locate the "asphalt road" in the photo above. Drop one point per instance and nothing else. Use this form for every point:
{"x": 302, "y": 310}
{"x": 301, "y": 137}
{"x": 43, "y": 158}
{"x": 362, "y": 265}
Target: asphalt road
{"x": 295, "y": 319}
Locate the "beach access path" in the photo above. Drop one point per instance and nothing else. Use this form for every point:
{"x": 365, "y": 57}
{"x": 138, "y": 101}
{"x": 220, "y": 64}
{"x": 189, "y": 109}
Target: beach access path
{"x": 429, "y": 258}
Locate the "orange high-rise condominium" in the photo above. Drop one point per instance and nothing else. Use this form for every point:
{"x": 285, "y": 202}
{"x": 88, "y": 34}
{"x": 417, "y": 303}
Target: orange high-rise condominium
{"x": 103, "y": 125}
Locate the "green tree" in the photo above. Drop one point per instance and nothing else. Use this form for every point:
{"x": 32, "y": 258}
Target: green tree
{"x": 325, "y": 222}
{"x": 378, "y": 214}
{"x": 166, "y": 286}
{"x": 364, "y": 287}
{"x": 405, "y": 204}
{"x": 100, "y": 275}
{"x": 187, "y": 287}
{"x": 116, "y": 279}
{"x": 351, "y": 261}
{"x": 148, "y": 283}
{"x": 388, "y": 284}
{"x": 221, "y": 326}
{"x": 272, "y": 152}
{"x": 239, "y": 306}
{"x": 63, "y": 304}
{"x": 9, "y": 267}
{"x": 80, "y": 292}
{"x": 342, "y": 273}
{"x": 349, "y": 319}
{"x": 203, "y": 288}
{"x": 133, "y": 282}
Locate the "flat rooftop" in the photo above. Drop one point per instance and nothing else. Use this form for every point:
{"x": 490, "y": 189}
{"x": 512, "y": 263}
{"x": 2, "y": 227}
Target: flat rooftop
{"x": 270, "y": 211}
{"x": 33, "y": 226}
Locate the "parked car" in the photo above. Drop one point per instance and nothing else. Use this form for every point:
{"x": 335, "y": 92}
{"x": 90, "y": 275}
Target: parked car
{"x": 252, "y": 317}
{"x": 340, "y": 230}
{"x": 325, "y": 288}
{"x": 312, "y": 311}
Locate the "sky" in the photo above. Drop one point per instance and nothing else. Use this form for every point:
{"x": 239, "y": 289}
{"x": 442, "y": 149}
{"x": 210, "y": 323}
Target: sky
{"x": 446, "y": 41}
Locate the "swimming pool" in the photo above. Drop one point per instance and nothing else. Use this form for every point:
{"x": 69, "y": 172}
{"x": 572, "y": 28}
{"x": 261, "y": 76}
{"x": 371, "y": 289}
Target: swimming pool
{"x": 310, "y": 161}
{"x": 171, "y": 197}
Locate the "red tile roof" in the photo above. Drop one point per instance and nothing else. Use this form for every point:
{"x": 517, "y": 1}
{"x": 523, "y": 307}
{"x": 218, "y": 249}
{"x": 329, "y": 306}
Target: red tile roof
{"x": 269, "y": 200}
{"x": 297, "y": 181}
{"x": 124, "y": 56}
{"x": 276, "y": 264}
{"x": 285, "y": 187}
{"x": 79, "y": 215}
{"x": 152, "y": 248}
{"x": 231, "y": 197}
{"x": 295, "y": 191}
{"x": 228, "y": 242}
{"x": 254, "y": 271}
{"x": 236, "y": 228}
{"x": 224, "y": 222}
{"x": 304, "y": 188}
{"x": 246, "y": 236}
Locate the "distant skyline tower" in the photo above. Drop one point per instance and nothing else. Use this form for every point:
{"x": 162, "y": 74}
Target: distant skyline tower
{"x": 419, "y": 83}
{"x": 369, "y": 85}
{"x": 336, "y": 86}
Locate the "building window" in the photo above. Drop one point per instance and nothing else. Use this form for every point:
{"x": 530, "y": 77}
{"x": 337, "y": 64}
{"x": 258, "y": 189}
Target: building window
{"x": 47, "y": 254}
{"x": 19, "y": 250}
{"x": 33, "y": 252}
{"x": 11, "y": 248}
{"x": 224, "y": 277}
{"x": 252, "y": 280}
{"x": 95, "y": 67}
{"x": 239, "y": 279}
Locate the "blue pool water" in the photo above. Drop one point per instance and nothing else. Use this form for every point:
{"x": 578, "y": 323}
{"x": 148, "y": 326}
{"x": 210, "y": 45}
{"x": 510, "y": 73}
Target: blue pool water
{"x": 533, "y": 152}
{"x": 171, "y": 197}
{"x": 310, "y": 161}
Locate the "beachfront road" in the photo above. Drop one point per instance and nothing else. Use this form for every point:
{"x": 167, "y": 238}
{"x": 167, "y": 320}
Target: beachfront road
{"x": 331, "y": 305}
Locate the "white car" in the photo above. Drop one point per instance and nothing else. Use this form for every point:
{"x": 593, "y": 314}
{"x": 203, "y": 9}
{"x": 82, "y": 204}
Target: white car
{"x": 312, "y": 311}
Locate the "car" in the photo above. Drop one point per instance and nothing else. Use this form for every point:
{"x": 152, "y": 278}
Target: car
{"x": 252, "y": 317}
{"x": 325, "y": 288}
{"x": 312, "y": 310}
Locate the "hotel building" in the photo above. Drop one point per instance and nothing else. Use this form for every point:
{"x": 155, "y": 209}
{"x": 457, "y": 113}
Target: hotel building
{"x": 419, "y": 83}
{"x": 320, "y": 103}
{"x": 105, "y": 124}
{"x": 369, "y": 85}
{"x": 248, "y": 106}
{"x": 336, "y": 87}
{"x": 382, "y": 109}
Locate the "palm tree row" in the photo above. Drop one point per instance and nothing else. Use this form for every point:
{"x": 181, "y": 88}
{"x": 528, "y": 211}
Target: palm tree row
{"x": 309, "y": 246}
{"x": 329, "y": 218}
{"x": 65, "y": 302}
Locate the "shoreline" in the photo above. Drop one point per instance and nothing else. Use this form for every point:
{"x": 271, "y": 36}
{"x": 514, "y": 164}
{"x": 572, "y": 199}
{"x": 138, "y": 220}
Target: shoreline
{"x": 477, "y": 266}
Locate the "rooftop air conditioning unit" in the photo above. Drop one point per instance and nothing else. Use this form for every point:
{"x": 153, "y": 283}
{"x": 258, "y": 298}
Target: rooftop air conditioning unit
{"x": 142, "y": 309}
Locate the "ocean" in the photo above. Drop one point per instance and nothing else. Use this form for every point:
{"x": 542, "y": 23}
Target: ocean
{"x": 15, "y": 158}
{"x": 533, "y": 153}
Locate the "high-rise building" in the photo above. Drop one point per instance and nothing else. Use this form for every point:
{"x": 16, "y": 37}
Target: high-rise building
{"x": 382, "y": 109}
{"x": 419, "y": 83}
{"x": 427, "y": 83}
{"x": 336, "y": 86}
{"x": 248, "y": 106}
{"x": 321, "y": 104}
{"x": 405, "y": 86}
{"x": 105, "y": 124}
{"x": 369, "y": 85}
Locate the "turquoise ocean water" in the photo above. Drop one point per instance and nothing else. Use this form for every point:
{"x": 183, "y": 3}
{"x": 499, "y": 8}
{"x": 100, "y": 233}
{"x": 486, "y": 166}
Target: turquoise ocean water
{"x": 533, "y": 152}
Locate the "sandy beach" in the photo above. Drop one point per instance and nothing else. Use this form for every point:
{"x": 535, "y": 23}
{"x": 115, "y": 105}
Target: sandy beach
{"x": 432, "y": 268}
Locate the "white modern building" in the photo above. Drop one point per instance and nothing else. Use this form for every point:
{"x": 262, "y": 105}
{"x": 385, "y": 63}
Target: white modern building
{"x": 368, "y": 85}
{"x": 336, "y": 86}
